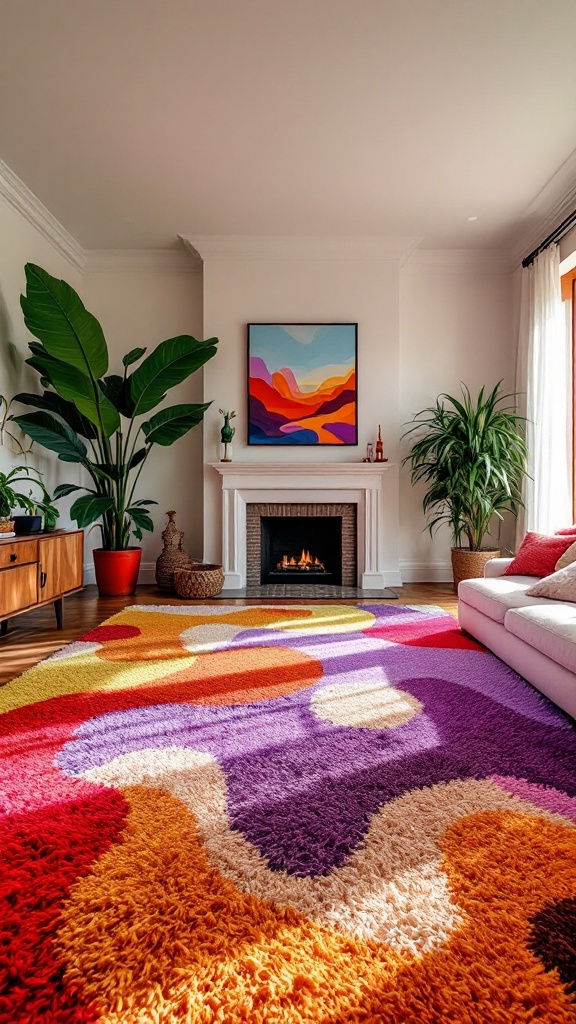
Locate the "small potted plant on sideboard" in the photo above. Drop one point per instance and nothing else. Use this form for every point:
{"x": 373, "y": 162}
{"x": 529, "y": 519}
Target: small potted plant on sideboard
{"x": 11, "y": 497}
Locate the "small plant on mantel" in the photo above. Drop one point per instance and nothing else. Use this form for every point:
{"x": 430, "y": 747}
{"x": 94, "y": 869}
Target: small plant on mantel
{"x": 101, "y": 421}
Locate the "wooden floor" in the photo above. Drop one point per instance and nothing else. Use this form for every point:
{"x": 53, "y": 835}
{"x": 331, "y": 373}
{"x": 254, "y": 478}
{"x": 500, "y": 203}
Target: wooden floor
{"x": 33, "y": 635}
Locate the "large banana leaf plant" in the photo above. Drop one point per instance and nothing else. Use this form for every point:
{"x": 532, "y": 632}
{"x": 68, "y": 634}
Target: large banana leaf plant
{"x": 96, "y": 419}
{"x": 471, "y": 454}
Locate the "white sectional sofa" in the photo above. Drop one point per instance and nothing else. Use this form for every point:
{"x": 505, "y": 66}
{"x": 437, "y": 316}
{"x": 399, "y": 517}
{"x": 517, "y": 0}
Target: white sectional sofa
{"x": 536, "y": 636}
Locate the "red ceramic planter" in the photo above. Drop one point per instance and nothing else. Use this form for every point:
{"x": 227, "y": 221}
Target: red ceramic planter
{"x": 117, "y": 571}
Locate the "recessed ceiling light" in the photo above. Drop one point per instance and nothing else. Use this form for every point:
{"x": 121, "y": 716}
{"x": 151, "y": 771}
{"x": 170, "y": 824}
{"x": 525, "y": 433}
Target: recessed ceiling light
{"x": 472, "y": 218}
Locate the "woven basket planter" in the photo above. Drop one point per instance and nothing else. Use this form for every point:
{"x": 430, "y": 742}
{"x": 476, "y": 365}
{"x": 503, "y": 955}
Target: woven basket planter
{"x": 198, "y": 581}
{"x": 7, "y": 526}
{"x": 469, "y": 565}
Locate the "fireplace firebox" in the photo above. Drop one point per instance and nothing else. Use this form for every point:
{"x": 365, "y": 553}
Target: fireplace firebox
{"x": 301, "y": 549}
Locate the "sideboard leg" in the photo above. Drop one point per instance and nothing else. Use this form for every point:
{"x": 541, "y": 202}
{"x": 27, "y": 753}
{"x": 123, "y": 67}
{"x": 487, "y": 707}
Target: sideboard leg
{"x": 58, "y": 609}
{"x": 4, "y": 627}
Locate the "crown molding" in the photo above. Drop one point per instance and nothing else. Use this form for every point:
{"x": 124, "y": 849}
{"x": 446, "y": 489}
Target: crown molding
{"x": 548, "y": 209}
{"x": 21, "y": 199}
{"x": 312, "y": 248}
{"x": 158, "y": 260}
{"x": 458, "y": 261}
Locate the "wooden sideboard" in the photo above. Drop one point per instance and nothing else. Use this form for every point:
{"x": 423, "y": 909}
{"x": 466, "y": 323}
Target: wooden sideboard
{"x": 36, "y": 569}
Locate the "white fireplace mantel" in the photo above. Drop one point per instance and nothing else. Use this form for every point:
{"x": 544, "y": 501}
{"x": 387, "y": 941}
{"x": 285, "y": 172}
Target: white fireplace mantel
{"x": 372, "y": 486}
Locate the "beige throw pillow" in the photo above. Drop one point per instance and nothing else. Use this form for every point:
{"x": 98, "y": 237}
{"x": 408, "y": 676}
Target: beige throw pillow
{"x": 560, "y": 586}
{"x": 567, "y": 558}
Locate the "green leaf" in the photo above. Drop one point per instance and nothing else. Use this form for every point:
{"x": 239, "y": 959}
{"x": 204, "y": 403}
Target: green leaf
{"x": 111, "y": 386}
{"x": 64, "y": 489}
{"x": 89, "y": 508}
{"x": 51, "y": 402}
{"x": 141, "y": 518}
{"x": 106, "y": 471}
{"x": 169, "y": 364}
{"x": 169, "y": 424}
{"x": 117, "y": 391}
{"x": 143, "y": 501}
{"x": 137, "y": 458}
{"x": 54, "y": 434}
{"x": 74, "y": 387}
{"x": 133, "y": 356}
{"x": 54, "y": 313}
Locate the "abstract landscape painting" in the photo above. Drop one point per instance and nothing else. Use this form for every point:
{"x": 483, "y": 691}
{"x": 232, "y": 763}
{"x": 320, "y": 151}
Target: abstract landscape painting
{"x": 302, "y": 384}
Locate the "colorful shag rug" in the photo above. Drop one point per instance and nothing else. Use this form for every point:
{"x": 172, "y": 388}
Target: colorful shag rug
{"x": 286, "y": 815}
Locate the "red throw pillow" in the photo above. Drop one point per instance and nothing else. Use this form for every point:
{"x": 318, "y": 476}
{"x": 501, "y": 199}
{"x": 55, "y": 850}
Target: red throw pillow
{"x": 564, "y": 533}
{"x": 538, "y": 554}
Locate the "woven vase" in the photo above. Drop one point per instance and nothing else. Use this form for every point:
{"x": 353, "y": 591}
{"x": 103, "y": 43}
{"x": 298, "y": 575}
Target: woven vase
{"x": 469, "y": 565}
{"x": 171, "y": 557}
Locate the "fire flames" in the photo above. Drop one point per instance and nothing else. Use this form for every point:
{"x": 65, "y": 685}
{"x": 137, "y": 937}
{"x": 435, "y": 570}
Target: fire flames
{"x": 305, "y": 563}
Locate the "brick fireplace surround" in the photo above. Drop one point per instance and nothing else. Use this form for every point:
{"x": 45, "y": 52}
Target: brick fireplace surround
{"x": 254, "y": 513}
{"x": 247, "y": 488}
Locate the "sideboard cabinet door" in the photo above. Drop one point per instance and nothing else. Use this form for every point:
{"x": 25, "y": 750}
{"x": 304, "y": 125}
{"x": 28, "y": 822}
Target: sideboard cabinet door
{"x": 18, "y": 588}
{"x": 61, "y": 564}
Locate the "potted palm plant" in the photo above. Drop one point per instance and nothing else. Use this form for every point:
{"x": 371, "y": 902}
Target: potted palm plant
{"x": 471, "y": 454}
{"x": 102, "y": 421}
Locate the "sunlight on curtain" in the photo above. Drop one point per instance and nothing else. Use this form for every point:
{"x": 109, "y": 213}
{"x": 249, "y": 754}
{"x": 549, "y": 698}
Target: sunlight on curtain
{"x": 543, "y": 377}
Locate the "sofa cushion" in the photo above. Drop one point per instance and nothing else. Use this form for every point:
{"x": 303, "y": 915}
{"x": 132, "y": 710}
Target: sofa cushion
{"x": 560, "y": 586}
{"x": 549, "y": 627}
{"x": 497, "y": 566}
{"x": 567, "y": 558}
{"x": 494, "y": 597}
{"x": 538, "y": 554}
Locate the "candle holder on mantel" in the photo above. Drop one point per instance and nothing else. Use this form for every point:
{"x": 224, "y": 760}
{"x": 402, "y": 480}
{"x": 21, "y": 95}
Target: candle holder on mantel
{"x": 380, "y": 447}
{"x": 171, "y": 557}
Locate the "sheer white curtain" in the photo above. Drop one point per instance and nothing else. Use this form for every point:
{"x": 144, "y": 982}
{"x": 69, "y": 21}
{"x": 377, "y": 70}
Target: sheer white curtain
{"x": 543, "y": 377}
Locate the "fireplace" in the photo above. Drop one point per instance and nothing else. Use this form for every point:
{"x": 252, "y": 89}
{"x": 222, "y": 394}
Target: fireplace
{"x": 368, "y": 493}
{"x": 320, "y": 538}
{"x": 301, "y": 549}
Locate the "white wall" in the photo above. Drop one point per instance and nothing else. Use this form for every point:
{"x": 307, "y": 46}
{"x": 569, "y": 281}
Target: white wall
{"x": 142, "y": 306}
{"x": 23, "y": 243}
{"x": 455, "y": 325}
{"x": 241, "y": 291}
{"x": 422, "y": 330}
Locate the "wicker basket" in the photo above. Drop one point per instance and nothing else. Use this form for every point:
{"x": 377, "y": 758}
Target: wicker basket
{"x": 198, "y": 581}
{"x": 6, "y": 526}
{"x": 469, "y": 565}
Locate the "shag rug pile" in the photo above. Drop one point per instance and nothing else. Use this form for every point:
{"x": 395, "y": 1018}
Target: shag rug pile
{"x": 285, "y": 814}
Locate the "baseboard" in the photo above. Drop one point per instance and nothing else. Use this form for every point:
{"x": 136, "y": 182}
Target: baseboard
{"x": 412, "y": 571}
{"x": 146, "y": 575}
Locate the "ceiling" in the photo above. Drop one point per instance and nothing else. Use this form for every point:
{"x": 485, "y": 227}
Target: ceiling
{"x": 135, "y": 121}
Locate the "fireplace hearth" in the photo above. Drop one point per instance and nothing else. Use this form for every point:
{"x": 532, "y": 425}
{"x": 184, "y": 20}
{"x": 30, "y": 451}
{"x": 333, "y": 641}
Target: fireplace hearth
{"x": 301, "y": 549}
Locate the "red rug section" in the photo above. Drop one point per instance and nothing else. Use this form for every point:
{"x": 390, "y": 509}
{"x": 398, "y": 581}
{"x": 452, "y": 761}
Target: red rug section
{"x": 41, "y": 855}
{"x": 427, "y": 632}
{"x": 101, "y": 633}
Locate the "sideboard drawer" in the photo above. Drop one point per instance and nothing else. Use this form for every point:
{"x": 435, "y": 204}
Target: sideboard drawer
{"x": 18, "y": 554}
{"x": 18, "y": 588}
